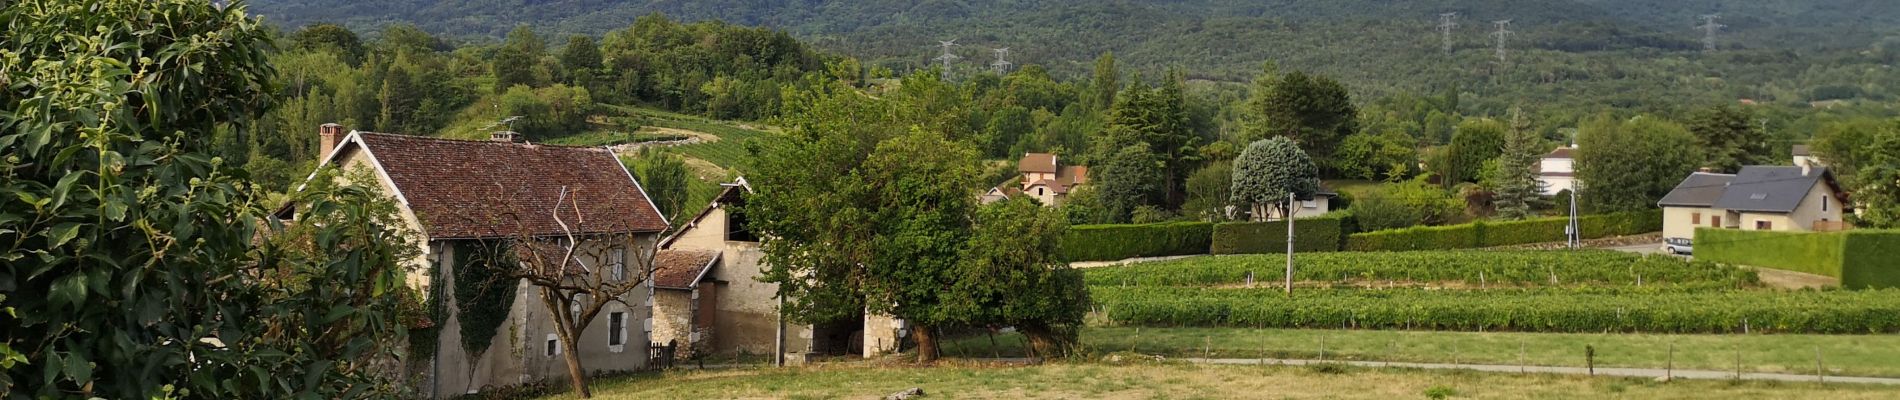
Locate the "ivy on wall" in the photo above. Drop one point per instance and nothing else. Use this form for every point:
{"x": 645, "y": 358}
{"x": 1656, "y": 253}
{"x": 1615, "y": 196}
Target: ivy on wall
{"x": 483, "y": 291}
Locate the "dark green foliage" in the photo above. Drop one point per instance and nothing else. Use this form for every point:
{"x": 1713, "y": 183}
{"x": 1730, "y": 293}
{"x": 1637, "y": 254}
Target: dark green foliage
{"x": 1411, "y": 203}
{"x": 514, "y": 63}
{"x": 484, "y": 292}
{"x": 1210, "y": 192}
{"x": 1861, "y": 258}
{"x": 1473, "y": 143}
{"x": 1309, "y": 235}
{"x": 1729, "y": 138}
{"x": 1516, "y": 181}
{"x": 552, "y": 111}
{"x": 1316, "y": 112}
{"x": 1647, "y": 310}
{"x": 1009, "y": 274}
{"x": 1492, "y": 269}
{"x": 1493, "y": 234}
{"x": 329, "y": 37}
{"x": 1271, "y": 169}
{"x": 1117, "y": 242}
{"x": 1126, "y": 179}
{"x": 664, "y": 177}
{"x": 125, "y": 240}
{"x": 1627, "y": 165}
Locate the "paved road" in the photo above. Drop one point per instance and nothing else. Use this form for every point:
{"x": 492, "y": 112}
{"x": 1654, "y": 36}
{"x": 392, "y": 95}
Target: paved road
{"x": 1631, "y": 372}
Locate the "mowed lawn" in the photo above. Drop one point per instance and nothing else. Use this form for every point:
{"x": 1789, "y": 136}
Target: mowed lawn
{"x": 1841, "y": 355}
{"x": 1179, "y": 381}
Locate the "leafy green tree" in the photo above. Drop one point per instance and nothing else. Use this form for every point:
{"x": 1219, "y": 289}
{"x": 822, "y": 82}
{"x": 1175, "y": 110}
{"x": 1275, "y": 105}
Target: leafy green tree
{"x": 1387, "y": 155}
{"x": 1009, "y": 132}
{"x": 548, "y": 112}
{"x": 580, "y": 59}
{"x": 331, "y": 38}
{"x": 1127, "y": 179}
{"x": 664, "y": 177}
{"x": 1844, "y": 145}
{"x": 1876, "y": 187}
{"x": 1516, "y": 187}
{"x": 1008, "y": 275}
{"x": 889, "y": 205}
{"x": 136, "y": 263}
{"x": 1316, "y": 112}
{"x": 514, "y": 62}
{"x": 1625, "y": 165}
{"x": 1209, "y": 191}
{"x": 1105, "y": 83}
{"x": 1268, "y": 171}
{"x": 1405, "y": 204}
{"x": 1729, "y": 138}
{"x": 1476, "y": 141}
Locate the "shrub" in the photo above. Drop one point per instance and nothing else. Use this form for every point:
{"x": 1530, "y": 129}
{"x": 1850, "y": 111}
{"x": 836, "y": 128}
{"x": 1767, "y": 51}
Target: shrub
{"x": 1493, "y": 234}
{"x": 1116, "y": 242}
{"x": 1310, "y": 234}
{"x": 1861, "y": 259}
{"x": 1524, "y": 310}
{"x": 1411, "y": 203}
{"x": 1495, "y": 268}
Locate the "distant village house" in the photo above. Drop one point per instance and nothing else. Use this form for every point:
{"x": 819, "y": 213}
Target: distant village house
{"x": 1043, "y": 178}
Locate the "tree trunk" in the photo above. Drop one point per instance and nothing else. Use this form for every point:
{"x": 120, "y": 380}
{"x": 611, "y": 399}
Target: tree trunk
{"x": 1047, "y": 342}
{"x": 575, "y": 374}
{"x": 926, "y": 343}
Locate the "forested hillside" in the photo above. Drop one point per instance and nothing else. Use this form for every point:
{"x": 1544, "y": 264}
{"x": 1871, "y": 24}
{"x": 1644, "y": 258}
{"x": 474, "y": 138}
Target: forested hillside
{"x": 1627, "y": 54}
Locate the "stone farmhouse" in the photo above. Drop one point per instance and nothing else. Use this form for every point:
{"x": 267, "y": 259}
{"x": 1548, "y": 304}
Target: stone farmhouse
{"x": 460, "y": 196}
{"x": 710, "y": 299}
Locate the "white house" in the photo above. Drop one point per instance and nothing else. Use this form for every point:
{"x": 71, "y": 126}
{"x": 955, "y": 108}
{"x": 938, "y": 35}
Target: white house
{"x": 1556, "y": 171}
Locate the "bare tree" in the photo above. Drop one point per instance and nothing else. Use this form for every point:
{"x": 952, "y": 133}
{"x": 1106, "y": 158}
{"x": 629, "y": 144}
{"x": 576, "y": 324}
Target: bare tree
{"x": 579, "y": 274}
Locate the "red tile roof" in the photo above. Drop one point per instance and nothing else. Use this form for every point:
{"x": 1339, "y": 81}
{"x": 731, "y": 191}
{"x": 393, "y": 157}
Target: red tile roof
{"x": 464, "y": 189}
{"x": 681, "y": 269}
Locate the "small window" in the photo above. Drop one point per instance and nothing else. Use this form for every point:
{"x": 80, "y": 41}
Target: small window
{"x": 617, "y": 259}
{"x": 1038, "y": 191}
{"x": 616, "y": 325}
{"x": 1824, "y": 203}
{"x": 1309, "y": 204}
{"x": 554, "y": 345}
{"x": 1764, "y": 225}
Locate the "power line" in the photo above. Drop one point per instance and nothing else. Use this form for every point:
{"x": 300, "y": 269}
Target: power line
{"x": 947, "y": 57}
{"x": 1446, "y": 23}
{"x": 1001, "y": 65}
{"x": 1709, "y": 29}
{"x": 1504, "y": 31}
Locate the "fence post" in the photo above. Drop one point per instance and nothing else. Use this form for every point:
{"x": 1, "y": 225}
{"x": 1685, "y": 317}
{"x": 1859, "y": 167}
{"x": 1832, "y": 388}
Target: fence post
{"x": 1322, "y": 348}
{"x": 1738, "y": 362}
{"x": 1670, "y": 373}
{"x": 1820, "y": 375}
{"x": 1520, "y": 356}
{"x": 1207, "y": 347}
{"x": 1590, "y": 358}
{"x": 1389, "y": 352}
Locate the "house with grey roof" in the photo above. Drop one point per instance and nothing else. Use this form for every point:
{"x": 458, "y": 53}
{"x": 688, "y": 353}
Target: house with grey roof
{"x": 1769, "y": 198}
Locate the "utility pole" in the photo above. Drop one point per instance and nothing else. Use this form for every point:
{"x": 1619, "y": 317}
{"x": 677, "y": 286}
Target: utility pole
{"x": 947, "y": 57}
{"x": 1504, "y": 31}
{"x": 1709, "y": 29}
{"x": 1289, "y": 243}
{"x": 1001, "y": 65}
{"x": 1446, "y": 23}
{"x": 1572, "y": 236}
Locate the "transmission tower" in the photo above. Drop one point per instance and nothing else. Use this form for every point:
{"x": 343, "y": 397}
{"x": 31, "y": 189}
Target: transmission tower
{"x": 1709, "y": 29}
{"x": 1447, "y": 22}
{"x": 1504, "y": 31}
{"x": 1001, "y": 65}
{"x": 947, "y": 57}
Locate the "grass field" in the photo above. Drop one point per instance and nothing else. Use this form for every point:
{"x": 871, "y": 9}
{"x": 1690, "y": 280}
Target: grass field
{"x": 1846, "y": 355}
{"x": 1179, "y": 381}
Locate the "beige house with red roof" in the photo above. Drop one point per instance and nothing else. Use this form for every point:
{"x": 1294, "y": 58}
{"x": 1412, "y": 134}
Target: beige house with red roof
{"x": 466, "y": 196}
{"x": 1043, "y": 178}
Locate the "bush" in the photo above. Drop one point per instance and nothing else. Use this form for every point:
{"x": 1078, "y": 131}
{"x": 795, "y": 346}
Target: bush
{"x": 1310, "y": 234}
{"x": 1411, "y": 203}
{"x": 1861, "y": 259}
{"x": 1116, "y": 242}
{"x": 1521, "y": 310}
{"x": 1494, "y": 268}
{"x": 1506, "y": 233}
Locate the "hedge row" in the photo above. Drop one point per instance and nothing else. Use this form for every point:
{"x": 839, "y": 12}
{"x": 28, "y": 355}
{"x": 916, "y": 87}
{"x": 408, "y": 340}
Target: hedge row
{"x": 1539, "y": 310}
{"x": 1116, "y": 242}
{"x": 1493, "y": 234}
{"x": 1492, "y": 268}
{"x": 1861, "y": 259}
{"x": 1310, "y": 234}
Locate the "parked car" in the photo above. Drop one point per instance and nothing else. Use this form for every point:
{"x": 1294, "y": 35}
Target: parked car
{"x": 1678, "y": 246}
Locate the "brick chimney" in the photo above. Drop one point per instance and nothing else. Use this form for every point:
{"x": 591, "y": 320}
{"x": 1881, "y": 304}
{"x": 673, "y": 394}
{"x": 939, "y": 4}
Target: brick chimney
{"x": 329, "y": 135}
{"x": 505, "y": 136}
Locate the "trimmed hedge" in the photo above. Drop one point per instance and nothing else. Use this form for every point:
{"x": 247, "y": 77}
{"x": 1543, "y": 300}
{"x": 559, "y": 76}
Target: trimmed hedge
{"x": 1503, "y": 233}
{"x": 1117, "y": 242}
{"x": 1310, "y": 234}
{"x": 1533, "y": 310}
{"x": 1861, "y": 259}
{"x": 1497, "y": 269}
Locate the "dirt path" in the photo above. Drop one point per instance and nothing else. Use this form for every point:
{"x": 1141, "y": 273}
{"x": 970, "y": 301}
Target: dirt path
{"x": 1632, "y": 372}
{"x": 1793, "y": 280}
